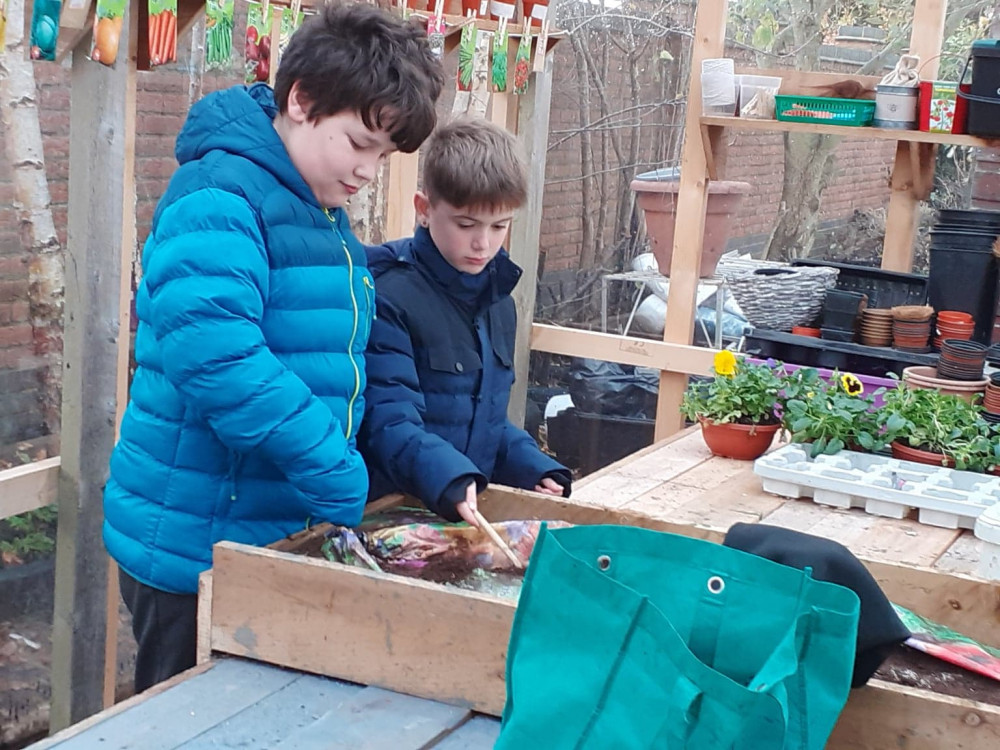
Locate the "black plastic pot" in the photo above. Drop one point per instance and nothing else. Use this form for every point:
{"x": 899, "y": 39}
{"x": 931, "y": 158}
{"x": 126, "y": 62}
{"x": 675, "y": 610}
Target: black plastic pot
{"x": 836, "y": 334}
{"x": 966, "y": 281}
{"x": 978, "y": 241}
{"x": 841, "y": 309}
{"x": 959, "y": 218}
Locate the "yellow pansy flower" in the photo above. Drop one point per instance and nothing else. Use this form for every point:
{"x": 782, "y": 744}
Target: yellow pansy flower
{"x": 852, "y": 386}
{"x": 724, "y": 363}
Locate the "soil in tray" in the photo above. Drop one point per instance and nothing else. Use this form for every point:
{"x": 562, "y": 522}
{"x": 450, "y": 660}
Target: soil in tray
{"x": 905, "y": 666}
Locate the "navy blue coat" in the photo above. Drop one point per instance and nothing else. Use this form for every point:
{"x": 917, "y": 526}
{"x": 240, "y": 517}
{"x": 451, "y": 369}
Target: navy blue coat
{"x": 440, "y": 368}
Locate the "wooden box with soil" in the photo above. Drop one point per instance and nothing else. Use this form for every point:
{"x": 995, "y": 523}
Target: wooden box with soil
{"x": 437, "y": 641}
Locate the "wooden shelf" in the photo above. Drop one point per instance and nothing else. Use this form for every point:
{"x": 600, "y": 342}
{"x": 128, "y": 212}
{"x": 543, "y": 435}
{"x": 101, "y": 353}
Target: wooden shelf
{"x": 879, "y": 134}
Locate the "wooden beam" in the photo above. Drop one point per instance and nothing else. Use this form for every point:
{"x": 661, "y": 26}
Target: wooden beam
{"x": 101, "y": 233}
{"x": 674, "y": 358}
{"x": 901, "y": 220}
{"x": 28, "y": 487}
{"x": 860, "y": 134}
{"x": 204, "y": 644}
{"x": 692, "y": 201}
{"x": 526, "y": 229}
{"x": 400, "y": 213}
{"x": 447, "y": 644}
{"x": 188, "y": 13}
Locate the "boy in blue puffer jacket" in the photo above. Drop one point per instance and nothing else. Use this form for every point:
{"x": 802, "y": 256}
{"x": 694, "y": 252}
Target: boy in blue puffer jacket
{"x": 254, "y": 311}
{"x": 441, "y": 352}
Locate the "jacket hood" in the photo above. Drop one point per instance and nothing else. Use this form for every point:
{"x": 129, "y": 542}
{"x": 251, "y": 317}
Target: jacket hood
{"x": 240, "y": 121}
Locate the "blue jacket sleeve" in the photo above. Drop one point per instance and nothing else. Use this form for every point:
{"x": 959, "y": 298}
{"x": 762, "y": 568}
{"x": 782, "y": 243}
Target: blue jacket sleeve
{"x": 207, "y": 277}
{"x": 520, "y": 462}
{"x": 394, "y": 439}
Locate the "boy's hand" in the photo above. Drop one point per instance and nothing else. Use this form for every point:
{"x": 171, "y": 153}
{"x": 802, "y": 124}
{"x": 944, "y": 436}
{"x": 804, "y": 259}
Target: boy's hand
{"x": 466, "y": 509}
{"x": 549, "y": 486}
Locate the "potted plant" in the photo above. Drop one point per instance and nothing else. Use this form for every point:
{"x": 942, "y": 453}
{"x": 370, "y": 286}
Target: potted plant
{"x": 937, "y": 428}
{"x": 737, "y": 408}
{"x": 831, "y": 415}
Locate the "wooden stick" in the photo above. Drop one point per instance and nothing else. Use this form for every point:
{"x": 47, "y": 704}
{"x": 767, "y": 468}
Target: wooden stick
{"x": 497, "y": 539}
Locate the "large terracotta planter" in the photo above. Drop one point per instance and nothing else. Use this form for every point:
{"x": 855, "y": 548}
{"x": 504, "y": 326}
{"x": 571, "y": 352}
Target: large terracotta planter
{"x": 922, "y": 377}
{"x": 743, "y": 441}
{"x": 906, "y": 453}
{"x": 658, "y": 201}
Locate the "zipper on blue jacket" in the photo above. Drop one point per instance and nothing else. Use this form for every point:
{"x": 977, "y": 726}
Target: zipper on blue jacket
{"x": 234, "y": 465}
{"x": 354, "y": 329}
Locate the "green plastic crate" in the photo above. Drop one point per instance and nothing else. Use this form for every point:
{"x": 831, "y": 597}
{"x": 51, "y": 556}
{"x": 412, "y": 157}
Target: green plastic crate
{"x": 848, "y": 112}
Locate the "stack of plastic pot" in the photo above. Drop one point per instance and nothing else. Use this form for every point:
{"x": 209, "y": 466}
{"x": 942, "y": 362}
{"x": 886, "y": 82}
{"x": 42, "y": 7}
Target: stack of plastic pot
{"x": 963, "y": 272}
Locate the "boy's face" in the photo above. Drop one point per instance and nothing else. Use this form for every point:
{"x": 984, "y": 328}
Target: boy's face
{"x": 335, "y": 155}
{"x": 468, "y": 238}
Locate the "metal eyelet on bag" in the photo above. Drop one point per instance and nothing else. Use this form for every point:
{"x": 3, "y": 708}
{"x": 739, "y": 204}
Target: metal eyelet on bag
{"x": 716, "y": 585}
{"x": 603, "y": 562}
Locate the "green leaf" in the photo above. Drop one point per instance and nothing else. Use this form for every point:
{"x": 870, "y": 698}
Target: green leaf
{"x": 836, "y": 445}
{"x": 866, "y": 441}
{"x": 801, "y": 424}
{"x": 895, "y": 423}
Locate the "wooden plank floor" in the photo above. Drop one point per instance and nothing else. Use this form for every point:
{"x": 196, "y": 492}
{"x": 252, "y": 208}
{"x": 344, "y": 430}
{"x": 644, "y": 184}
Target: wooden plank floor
{"x": 236, "y": 703}
{"x": 679, "y": 480}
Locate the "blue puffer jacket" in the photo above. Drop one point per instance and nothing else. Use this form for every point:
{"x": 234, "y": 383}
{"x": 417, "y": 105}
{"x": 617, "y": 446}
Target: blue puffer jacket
{"x": 440, "y": 370}
{"x": 254, "y": 312}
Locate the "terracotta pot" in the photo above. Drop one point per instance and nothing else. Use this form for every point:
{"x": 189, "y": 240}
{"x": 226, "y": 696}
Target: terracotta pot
{"x": 658, "y": 201}
{"x": 806, "y": 331}
{"x": 743, "y": 441}
{"x": 906, "y": 453}
{"x": 925, "y": 377}
{"x": 952, "y": 316}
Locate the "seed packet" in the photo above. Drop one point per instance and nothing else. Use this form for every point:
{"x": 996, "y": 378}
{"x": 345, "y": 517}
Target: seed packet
{"x": 44, "y": 29}
{"x": 162, "y": 32}
{"x": 258, "y": 43}
{"x": 218, "y": 33}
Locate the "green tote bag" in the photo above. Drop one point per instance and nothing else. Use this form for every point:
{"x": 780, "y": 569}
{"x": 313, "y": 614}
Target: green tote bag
{"x": 627, "y": 639}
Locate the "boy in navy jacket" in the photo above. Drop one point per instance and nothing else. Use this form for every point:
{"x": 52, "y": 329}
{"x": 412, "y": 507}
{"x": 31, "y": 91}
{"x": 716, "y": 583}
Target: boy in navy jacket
{"x": 441, "y": 352}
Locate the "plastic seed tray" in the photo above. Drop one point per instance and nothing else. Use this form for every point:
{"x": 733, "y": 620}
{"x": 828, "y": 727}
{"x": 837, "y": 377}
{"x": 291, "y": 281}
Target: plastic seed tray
{"x": 882, "y": 486}
{"x": 988, "y": 529}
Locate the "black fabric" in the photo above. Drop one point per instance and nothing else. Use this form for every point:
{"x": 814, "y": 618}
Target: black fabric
{"x": 879, "y": 628}
{"x": 165, "y": 627}
{"x": 563, "y": 478}
{"x": 454, "y": 494}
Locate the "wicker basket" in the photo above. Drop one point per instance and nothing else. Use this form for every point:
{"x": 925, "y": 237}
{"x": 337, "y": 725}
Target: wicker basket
{"x": 780, "y": 298}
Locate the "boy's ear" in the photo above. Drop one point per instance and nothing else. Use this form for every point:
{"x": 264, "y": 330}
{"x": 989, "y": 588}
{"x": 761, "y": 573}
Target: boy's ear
{"x": 298, "y": 106}
{"x": 422, "y": 205}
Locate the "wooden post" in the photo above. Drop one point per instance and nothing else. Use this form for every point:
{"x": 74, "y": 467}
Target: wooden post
{"x": 901, "y": 221}
{"x": 101, "y": 232}
{"x": 533, "y": 135}
{"x": 692, "y": 200}
{"x": 400, "y": 214}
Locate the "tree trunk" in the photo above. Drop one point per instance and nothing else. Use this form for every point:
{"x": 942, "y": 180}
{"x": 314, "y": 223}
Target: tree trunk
{"x": 23, "y": 147}
{"x": 808, "y": 162}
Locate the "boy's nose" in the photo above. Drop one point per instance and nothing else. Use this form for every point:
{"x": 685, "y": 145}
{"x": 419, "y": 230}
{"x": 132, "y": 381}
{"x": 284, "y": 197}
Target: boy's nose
{"x": 480, "y": 241}
{"x": 366, "y": 169}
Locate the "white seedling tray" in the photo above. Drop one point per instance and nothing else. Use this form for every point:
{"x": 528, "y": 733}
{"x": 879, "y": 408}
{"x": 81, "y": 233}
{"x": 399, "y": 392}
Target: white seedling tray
{"x": 988, "y": 529}
{"x": 881, "y": 485}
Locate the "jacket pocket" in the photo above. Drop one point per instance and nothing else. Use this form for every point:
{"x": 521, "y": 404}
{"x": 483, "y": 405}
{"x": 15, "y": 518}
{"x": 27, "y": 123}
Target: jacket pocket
{"x": 458, "y": 361}
{"x": 503, "y": 332}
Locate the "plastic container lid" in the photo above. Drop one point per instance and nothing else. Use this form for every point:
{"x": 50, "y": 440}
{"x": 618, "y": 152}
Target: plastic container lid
{"x": 986, "y": 48}
{"x": 660, "y": 175}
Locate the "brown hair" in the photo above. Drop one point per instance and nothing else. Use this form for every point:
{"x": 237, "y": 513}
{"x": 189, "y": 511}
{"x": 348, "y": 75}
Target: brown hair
{"x": 360, "y": 58}
{"x": 474, "y": 163}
